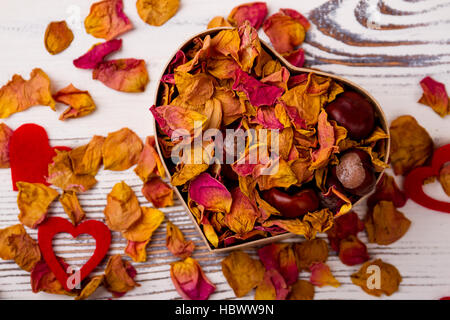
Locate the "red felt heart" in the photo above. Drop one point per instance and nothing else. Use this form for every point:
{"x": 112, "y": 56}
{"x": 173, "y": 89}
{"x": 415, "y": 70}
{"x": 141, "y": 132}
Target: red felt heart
{"x": 30, "y": 154}
{"x": 414, "y": 181}
{"x": 52, "y": 226}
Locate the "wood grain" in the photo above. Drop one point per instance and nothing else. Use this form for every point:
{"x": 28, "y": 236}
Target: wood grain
{"x": 385, "y": 46}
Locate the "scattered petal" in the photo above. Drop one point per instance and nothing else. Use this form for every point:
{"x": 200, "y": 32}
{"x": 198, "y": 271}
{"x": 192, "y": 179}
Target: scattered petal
{"x": 254, "y": 12}
{"x": 121, "y": 150}
{"x": 159, "y": 193}
{"x": 382, "y": 277}
{"x": 5, "y": 136}
{"x": 411, "y": 145}
{"x": 58, "y": 37}
{"x": 80, "y": 102}
{"x": 107, "y": 20}
{"x": 19, "y": 94}
{"x": 33, "y": 201}
{"x": 301, "y": 290}
{"x": 352, "y": 251}
{"x": 435, "y": 96}
{"x": 157, "y": 12}
{"x": 25, "y": 250}
{"x": 137, "y": 250}
{"x": 176, "y": 243}
{"x": 344, "y": 226}
{"x": 280, "y": 256}
{"x": 321, "y": 276}
{"x": 387, "y": 190}
{"x": 43, "y": 279}
{"x": 88, "y": 158}
{"x": 122, "y": 208}
{"x": 273, "y": 287}
{"x": 119, "y": 276}
{"x": 149, "y": 164}
{"x": 97, "y": 53}
{"x": 190, "y": 281}
{"x": 93, "y": 284}
{"x": 72, "y": 207}
{"x": 310, "y": 252}
{"x": 218, "y": 22}
{"x": 444, "y": 178}
{"x": 142, "y": 229}
{"x": 6, "y": 252}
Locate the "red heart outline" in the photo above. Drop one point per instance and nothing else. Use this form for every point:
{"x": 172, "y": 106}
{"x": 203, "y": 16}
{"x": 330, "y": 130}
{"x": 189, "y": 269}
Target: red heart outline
{"x": 413, "y": 184}
{"x": 52, "y": 226}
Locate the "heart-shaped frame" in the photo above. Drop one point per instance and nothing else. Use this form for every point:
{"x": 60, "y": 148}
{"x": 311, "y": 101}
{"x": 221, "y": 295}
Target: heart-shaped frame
{"x": 293, "y": 70}
{"x": 413, "y": 183}
{"x": 52, "y": 226}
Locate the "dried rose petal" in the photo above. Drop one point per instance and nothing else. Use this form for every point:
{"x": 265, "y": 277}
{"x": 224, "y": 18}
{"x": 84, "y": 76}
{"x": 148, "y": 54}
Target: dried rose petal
{"x": 273, "y": 287}
{"x": 137, "y": 250}
{"x": 159, "y": 193}
{"x": 301, "y": 290}
{"x": 19, "y": 94}
{"x": 107, "y": 20}
{"x": 321, "y": 157}
{"x": 257, "y": 92}
{"x": 384, "y": 278}
{"x": 242, "y": 272}
{"x": 121, "y": 150}
{"x": 171, "y": 118}
{"x": 149, "y": 164}
{"x": 93, "y": 284}
{"x": 6, "y": 252}
{"x": 88, "y": 158}
{"x": 249, "y": 48}
{"x": 285, "y": 30}
{"x": 411, "y": 145}
{"x": 97, "y": 53}
{"x": 309, "y": 252}
{"x": 280, "y": 256}
{"x": 352, "y": 251}
{"x": 444, "y": 178}
{"x": 385, "y": 224}
{"x": 435, "y": 96}
{"x": 190, "y": 281}
{"x": 210, "y": 193}
{"x": 217, "y": 22}
{"x": 33, "y": 201}
{"x": 58, "y": 37}
{"x": 126, "y": 75}
{"x": 142, "y": 229}
{"x": 157, "y": 12}
{"x": 119, "y": 276}
{"x": 43, "y": 279}
{"x": 254, "y": 12}
{"x": 243, "y": 213}
{"x": 176, "y": 243}
{"x": 295, "y": 226}
{"x": 321, "y": 276}
{"x": 62, "y": 175}
{"x": 5, "y": 136}
{"x": 80, "y": 102}
{"x": 344, "y": 226}
{"x": 25, "y": 250}
{"x": 72, "y": 207}
{"x": 296, "y": 58}
{"x": 387, "y": 190}
{"x": 194, "y": 89}
{"x": 122, "y": 208}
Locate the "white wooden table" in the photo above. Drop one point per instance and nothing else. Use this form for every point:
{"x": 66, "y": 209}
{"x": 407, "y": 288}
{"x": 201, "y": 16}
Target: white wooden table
{"x": 386, "y": 46}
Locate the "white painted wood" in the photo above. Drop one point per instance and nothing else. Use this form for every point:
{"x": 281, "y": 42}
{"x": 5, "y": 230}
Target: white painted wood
{"x": 422, "y": 256}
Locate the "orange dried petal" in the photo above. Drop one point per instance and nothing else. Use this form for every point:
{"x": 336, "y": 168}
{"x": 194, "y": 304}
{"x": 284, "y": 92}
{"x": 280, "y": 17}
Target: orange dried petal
{"x": 411, "y": 145}
{"x": 58, "y": 37}
{"x": 385, "y": 224}
{"x": 72, "y": 207}
{"x": 137, "y": 250}
{"x": 93, "y": 284}
{"x": 43, "y": 279}
{"x": 142, "y": 229}
{"x": 19, "y": 94}
{"x": 107, "y": 20}
{"x": 388, "y": 278}
{"x": 5, "y": 136}
{"x": 243, "y": 213}
{"x": 122, "y": 208}
{"x": 157, "y": 12}
{"x": 62, "y": 175}
{"x": 126, "y": 75}
{"x": 272, "y": 287}
{"x": 301, "y": 290}
{"x": 25, "y": 250}
{"x": 88, "y": 158}
{"x": 149, "y": 164}
{"x": 176, "y": 243}
{"x": 121, "y": 150}
{"x": 6, "y": 252}
{"x": 33, "y": 201}
{"x": 80, "y": 102}
{"x": 321, "y": 276}
{"x": 444, "y": 178}
{"x": 242, "y": 272}
{"x": 119, "y": 276}
{"x": 435, "y": 96}
{"x": 217, "y": 22}
{"x": 309, "y": 252}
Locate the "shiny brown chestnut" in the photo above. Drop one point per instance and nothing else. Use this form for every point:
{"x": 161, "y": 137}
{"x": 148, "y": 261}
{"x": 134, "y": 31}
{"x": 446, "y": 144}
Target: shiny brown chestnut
{"x": 355, "y": 172}
{"x": 352, "y": 111}
{"x": 292, "y": 206}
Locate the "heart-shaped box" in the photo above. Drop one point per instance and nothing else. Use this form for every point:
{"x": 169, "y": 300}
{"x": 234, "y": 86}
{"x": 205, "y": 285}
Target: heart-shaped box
{"x": 294, "y": 71}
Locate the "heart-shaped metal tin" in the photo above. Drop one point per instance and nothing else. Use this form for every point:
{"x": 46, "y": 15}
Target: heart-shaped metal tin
{"x": 294, "y": 71}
